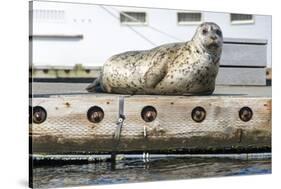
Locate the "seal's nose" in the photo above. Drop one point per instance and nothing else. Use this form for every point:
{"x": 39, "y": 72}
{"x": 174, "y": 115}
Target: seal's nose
{"x": 213, "y": 37}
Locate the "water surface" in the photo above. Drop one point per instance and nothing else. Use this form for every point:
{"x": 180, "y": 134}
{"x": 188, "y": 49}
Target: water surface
{"x": 136, "y": 170}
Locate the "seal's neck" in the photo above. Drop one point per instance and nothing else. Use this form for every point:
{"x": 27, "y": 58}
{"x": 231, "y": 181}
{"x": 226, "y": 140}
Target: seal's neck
{"x": 198, "y": 46}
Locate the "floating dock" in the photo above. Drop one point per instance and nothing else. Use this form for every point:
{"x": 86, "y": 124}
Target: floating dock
{"x": 66, "y": 120}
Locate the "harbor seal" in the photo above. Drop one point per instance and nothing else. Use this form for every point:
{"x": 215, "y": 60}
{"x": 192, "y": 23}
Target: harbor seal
{"x": 188, "y": 68}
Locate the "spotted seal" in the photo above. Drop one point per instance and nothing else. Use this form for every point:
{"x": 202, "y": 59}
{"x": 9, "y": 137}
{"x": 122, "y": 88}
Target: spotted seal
{"x": 187, "y": 68}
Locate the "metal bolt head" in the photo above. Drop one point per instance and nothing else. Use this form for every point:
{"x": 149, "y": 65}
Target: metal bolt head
{"x": 198, "y": 114}
{"x": 245, "y": 114}
{"x": 39, "y": 114}
{"x": 95, "y": 114}
{"x": 148, "y": 114}
{"x": 120, "y": 120}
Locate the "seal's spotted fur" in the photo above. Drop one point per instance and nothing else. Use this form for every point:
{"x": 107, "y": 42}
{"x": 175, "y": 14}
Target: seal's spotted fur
{"x": 175, "y": 69}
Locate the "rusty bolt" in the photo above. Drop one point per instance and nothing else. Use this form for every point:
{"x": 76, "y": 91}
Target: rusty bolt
{"x": 148, "y": 114}
{"x": 95, "y": 114}
{"x": 245, "y": 114}
{"x": 198, "y": 114}
{"x": 39, "y": 114}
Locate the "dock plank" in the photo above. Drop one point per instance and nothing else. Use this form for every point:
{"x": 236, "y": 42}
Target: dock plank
{"x": 67, "y": 129}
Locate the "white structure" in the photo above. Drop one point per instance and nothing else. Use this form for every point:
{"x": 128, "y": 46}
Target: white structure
{"x": 69, "y": 34}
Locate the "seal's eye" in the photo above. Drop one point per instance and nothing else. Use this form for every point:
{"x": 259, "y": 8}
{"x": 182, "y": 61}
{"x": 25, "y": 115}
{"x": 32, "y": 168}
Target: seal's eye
{"x": 218, "y": 32}
{"x": 204, "y": 31}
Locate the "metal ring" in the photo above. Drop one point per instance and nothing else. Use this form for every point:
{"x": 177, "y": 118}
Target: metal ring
{"x": 148, "y": 113}
{"x": 198, "y": 114}
{"x": 245, "y": 114}
{"x": 95, "y": 114}
{"x": 39, "y": 114}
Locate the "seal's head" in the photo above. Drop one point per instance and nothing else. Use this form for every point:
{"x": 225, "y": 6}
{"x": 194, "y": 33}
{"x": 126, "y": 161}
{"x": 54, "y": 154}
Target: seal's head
{"x": 209, "y": 36}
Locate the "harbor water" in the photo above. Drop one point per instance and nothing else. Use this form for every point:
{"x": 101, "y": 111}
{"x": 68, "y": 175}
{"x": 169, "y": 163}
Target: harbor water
{"x": 131, "y": 170}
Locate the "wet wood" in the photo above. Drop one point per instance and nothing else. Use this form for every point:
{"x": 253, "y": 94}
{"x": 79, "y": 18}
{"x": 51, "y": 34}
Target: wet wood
{"x": 68, "y": 130}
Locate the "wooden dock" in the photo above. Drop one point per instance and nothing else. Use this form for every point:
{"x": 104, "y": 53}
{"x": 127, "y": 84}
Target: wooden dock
{"x": 232, "y": 120}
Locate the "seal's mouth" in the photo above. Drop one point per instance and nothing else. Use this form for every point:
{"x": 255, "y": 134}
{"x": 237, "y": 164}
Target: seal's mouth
{"x": 213, "y": 46}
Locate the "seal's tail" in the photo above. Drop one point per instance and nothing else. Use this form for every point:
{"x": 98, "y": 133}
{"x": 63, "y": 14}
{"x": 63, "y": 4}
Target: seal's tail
{"x": 95, "y": 86}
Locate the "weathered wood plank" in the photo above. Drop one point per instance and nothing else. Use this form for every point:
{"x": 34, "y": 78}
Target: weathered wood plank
{"x": 67, "y": 129}
{"x": 54, "y": 72}
{"x": 241, "y": 76}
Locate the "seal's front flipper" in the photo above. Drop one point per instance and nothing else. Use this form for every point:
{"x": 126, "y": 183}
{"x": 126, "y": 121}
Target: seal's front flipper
{"x": 155, "y": 74}
{"x": 95, "y": 86}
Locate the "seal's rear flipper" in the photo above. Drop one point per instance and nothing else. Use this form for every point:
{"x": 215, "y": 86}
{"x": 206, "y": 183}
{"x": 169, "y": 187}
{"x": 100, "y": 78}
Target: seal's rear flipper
{"x": 95, "y": 86}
